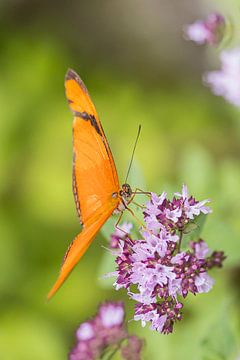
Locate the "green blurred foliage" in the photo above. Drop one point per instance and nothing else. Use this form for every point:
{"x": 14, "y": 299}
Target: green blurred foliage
{"x": 188, "y": 135}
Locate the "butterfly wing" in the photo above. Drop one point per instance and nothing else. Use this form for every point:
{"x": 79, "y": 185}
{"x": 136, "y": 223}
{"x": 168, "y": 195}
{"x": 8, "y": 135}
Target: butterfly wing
{"x": 95, "y": 180}
{"x": 78, "y": 247}
{"x": 94, "y": 173}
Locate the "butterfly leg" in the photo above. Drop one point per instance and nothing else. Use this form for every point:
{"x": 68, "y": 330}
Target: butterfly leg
{"x": 141, "y": 192}
{"x": 118, "y": 221}
{"x": 133, "y": 215}
{"x": 136, "y": 192}
{"x": 139, "y": 205}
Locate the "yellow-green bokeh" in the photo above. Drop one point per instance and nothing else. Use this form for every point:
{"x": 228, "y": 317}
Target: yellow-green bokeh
{"x": 138, "y": 72}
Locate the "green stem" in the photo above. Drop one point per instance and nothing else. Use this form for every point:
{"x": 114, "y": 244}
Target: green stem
{"x": 180, "y": 240}
{"x": 110, "y": 356}
{"x": 113, "y": 353}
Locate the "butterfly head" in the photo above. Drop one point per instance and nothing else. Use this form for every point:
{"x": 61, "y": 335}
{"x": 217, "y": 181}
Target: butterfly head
{"x": 126, "y": 191}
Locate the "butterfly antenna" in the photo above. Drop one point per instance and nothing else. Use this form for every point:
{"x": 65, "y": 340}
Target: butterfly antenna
{"x": 134, "y": 148}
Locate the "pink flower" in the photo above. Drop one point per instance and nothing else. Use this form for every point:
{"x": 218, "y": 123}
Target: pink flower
{"x": 191, "y": 207}
{"x": 204, "y": 283}
{"x": 158, "y": 322}
{"x": 209, "y": 31}
{"x": 161, "y": 316}
{"x": 226, "y": 81}
{"x": 201, "y": 249}
{"x": 162, "y": 213}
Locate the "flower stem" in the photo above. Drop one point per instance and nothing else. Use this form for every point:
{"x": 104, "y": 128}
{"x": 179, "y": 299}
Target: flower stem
{"x": 109, "y": 355}
{"x": 180, "y": 240}
{"x": 113, "y": 353}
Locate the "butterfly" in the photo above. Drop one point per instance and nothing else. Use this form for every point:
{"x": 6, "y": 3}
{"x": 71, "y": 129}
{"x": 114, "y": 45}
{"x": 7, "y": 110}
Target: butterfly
{"x": 95, "y": 182}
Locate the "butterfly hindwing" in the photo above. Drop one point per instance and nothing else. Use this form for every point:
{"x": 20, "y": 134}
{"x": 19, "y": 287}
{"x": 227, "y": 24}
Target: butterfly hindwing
{"x": 78, "y": 247}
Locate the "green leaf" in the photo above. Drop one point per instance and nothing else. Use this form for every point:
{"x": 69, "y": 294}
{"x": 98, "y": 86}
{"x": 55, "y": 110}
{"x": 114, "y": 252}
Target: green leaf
{"x": 219, "y": 343}
{"x": 190, "y": 228}
{"x": 193, "y": 230}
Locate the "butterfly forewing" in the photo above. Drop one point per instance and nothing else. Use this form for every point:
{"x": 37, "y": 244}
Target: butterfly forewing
{"x": 95, "y": 180}
{"x": 94, "y": 173}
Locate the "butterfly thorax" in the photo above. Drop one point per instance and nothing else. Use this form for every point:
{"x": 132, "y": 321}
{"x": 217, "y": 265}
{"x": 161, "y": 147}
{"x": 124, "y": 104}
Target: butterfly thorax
{"x": 124, "y": 196}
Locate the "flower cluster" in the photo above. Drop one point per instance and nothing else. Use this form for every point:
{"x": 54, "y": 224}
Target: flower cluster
{"x": 106, "y": 332}
{"x": 226, "y": 81}
{"x": 209, "y": 31}
{"x": 154, "y": 269}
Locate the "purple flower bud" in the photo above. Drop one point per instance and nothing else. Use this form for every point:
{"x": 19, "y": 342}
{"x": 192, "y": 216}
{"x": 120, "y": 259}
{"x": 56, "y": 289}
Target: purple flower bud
{"x": 216, "y": 259}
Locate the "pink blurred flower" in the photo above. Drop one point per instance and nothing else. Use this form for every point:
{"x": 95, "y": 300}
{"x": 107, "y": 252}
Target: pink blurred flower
{"x": 226, "y": 81}
{"x": 111, "y": 314}
{"x": 85, "y": 331}
{"x": 103, "y": 333}
{"x": 209, "y": 31}
{"x": 132, "y": 350}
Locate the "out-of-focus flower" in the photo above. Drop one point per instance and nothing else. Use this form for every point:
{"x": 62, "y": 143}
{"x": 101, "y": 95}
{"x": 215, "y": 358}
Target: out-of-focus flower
{"x": 216, "y": 259}
{"x": 85, "y": 331}
{"x": 120, "y": 233}
{"x": 101, "y": 333}
{"x": 154, "y": 270}
{"x": 111, "y": 314}
{"x": 209, "y": 31}
{"x": 132, "y": 350}
{"x": 226, "y": 81}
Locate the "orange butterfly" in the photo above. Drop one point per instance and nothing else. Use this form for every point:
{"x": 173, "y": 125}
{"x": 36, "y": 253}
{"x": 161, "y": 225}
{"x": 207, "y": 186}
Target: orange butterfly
{"x": 95, "y": 181}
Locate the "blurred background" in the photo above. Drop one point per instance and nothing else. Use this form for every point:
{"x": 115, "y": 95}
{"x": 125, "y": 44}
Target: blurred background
{"x": 139, "y": 70}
